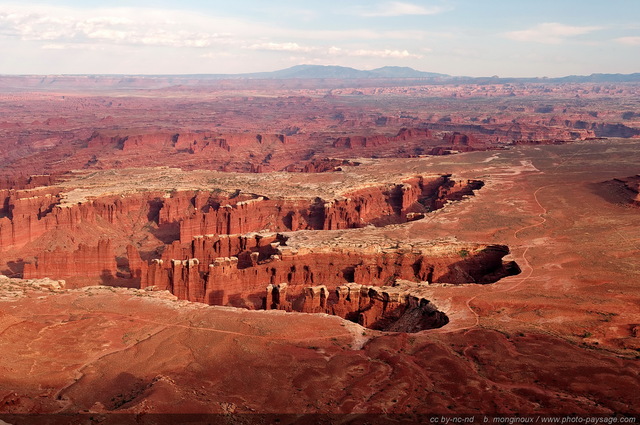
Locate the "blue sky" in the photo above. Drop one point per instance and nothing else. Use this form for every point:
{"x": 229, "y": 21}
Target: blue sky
{"x": 458, "y": 37}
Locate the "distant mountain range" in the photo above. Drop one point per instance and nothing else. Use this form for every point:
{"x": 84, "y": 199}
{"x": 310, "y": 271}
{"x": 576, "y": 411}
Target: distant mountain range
{"x": 299, "y": 76}
{"x": 344, "y": 72}
{"x": 600, "y": 78}
{"x": 402, "y": 72}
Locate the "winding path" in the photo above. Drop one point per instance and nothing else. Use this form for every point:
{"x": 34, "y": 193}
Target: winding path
{"x": 524, "y": 262}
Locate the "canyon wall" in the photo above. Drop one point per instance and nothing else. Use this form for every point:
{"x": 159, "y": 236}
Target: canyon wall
{"x": 377, "y": 205}
{"x": 211, "y": 264}
{"x": 22, "y": 214}
{"x": 86, "y": 261}
{"x": 241, "y": 280}
{"x": 202, "y": 225}
{"x": 482, "y": 135}
{"x": 398, "y": 308}
{"x": 28, "y": 214}
{"x": 405, "y": 134}
{"x": 320, "y": 166}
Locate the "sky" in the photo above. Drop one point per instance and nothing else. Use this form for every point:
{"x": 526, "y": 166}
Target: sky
{"x": 508, "y": 38}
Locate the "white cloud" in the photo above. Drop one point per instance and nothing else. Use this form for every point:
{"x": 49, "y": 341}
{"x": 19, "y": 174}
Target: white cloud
{"x": 75, "y": 40}
{"x": 219, "y": 55}
{"x": 171, "y": 28}
{"x": 364, "y": 34}
{"x": 630, "y": 41}
{"x": 397, "y": 8}
{"x": 70, "y": 46}
{"x": 334, "y": 51}
{"x": 384, "y": 53}
{"x": 114, "y": 26}
{"x": 280, "y": 47}
{"x": 550, "y": 33}
{"x": 395, "y": 54}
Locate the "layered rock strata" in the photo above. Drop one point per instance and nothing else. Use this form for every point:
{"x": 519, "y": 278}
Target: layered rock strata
{"x": 400, "y": 308}
{"x": 27, "y": 214}
{"x": 203, "y": 225}
{"x": 240, "y": 280}
{"x": 85, "y": 261}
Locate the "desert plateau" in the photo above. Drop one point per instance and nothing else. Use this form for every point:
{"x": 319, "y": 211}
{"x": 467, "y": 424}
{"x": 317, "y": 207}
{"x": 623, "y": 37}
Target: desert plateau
{"x": 189, "y": 237}
{"x": 443, "y": 259}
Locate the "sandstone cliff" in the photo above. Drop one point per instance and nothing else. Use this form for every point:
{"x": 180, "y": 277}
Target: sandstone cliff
{"x": 86, "y": 261}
